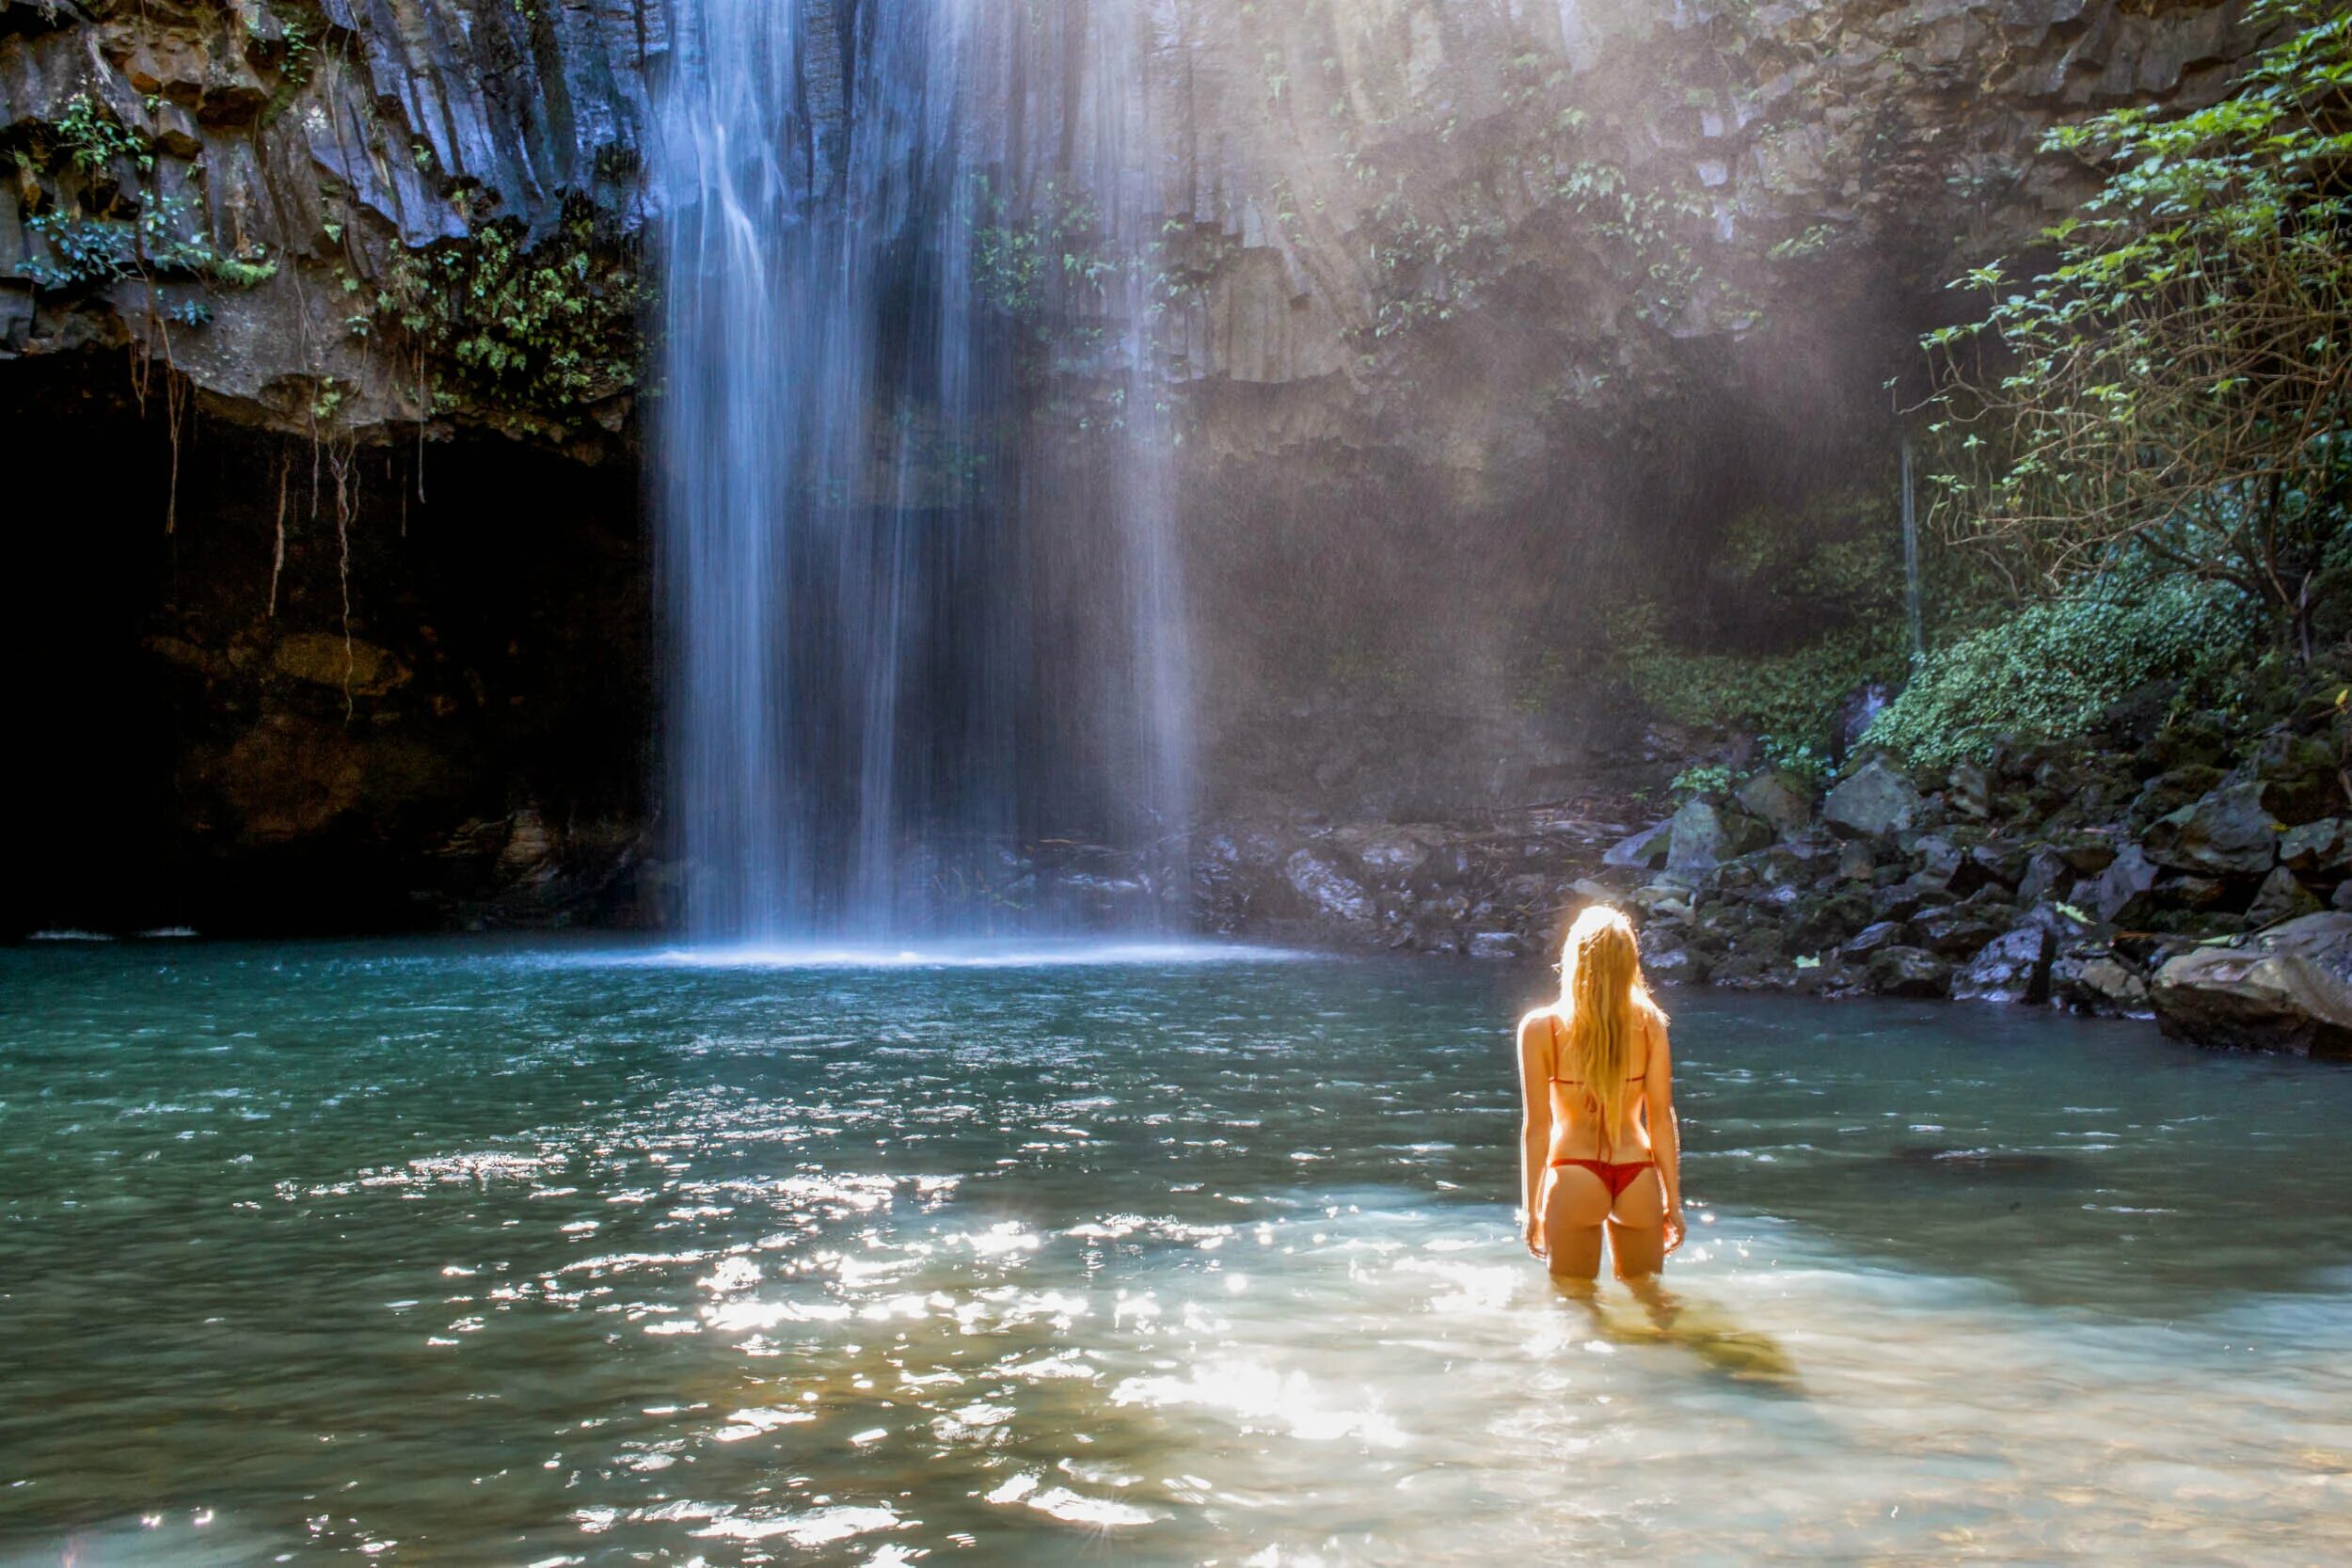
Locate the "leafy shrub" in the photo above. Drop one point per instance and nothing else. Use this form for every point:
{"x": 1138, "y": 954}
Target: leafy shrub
{"x": 92, "y": 139}
{"x": 2182, "y": 379}
{"x": 160, "y": 241}
{"x": 1020, "y": 257}
{"x": 1788, "y": 699}
{"x": 540, "y": 327}
{"x": 1711, "y": 778}
{"x": 2049, "y": 670}
{"x": 1797, "y": 756}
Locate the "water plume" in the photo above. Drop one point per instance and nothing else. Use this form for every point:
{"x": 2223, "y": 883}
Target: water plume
{"x": 893, "y": 667}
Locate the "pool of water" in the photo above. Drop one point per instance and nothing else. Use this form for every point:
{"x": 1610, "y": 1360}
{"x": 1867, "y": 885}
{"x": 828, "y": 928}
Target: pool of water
{"x": 481, "y": 1254}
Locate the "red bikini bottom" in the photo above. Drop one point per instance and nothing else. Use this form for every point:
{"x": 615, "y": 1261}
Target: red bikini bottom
{"x": 1615, "y": 1176}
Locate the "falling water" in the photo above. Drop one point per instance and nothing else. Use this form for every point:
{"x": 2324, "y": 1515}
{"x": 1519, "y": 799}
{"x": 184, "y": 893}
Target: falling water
{"x": 910, "y": 635}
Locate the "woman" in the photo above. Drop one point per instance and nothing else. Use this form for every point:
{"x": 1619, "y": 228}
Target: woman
{"x": 1598, "y": 1143}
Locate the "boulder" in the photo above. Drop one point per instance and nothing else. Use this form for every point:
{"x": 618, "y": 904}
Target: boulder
{"x": 2046, "y": 873}
{"x": 1875, "y": 801}
{"x": 1675, "y": 966}
{"x": 1873, "y": 939}
{"x": 2283, "y": 896}
{"x": 2100, "y": 984}
{"x": 2322, "y": 848}
{"x": 1703, "y": 834}
{"x": 2086, "y": 853}
{"x": 2169, "y": 791}
{"x": 1816, "y": 924}
{"x": 2120, "y": 893}
{"x": 2288, "y": 989}
{"x": 2301, "y": 773}
{"x": 1909, "y": 971}
{"x": 2063, "y": 924}
{"x": 1742, "y": 971}
{"x": 2187, "y": 893}
{"x": 1987, "y": 864}
{"x": 1970, "y": 790}
{"x": 1938, "y": 862}
{"x": 346, "y": 664}
{"x": 1957, "y": 930}
{"x": 1663, "y": 900}
{"x": 1387, "y": 854}
{"x": 1494, "y": 945}
{"x": 1646, "y": 848}
{"x": 1329, "y": 892}
{"x": 1780, "y": 796}
{"x": 1855, "y": 863}
{"x": 2228, "y": 831}
{"x": 2015, "y": 967}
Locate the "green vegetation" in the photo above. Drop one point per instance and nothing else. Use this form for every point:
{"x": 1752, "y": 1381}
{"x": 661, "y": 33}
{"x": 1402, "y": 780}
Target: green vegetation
{"x": 92, "y": 140}
{"x": 297, "y": 53}
{"x": 2050, "y": 669}
{"x": 1712, "y": 778}
{"x": 530, "y": 329}
{"x": 160, "y": 241}
{"x": 2180, "y": 382}
{"x": 1828, "y": 576}
{"x": 2151, "y": 442}
{"x": 1790, "y": 699}
{"x": 1425, "y": 271}
{"x": 94, "y": 229}
{"x": 1653, "y": 233}
{"x": 1021, "y": 256}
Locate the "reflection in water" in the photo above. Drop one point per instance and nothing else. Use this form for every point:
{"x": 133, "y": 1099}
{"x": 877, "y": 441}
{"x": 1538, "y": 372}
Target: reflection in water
{"x": 457, "y": 1254}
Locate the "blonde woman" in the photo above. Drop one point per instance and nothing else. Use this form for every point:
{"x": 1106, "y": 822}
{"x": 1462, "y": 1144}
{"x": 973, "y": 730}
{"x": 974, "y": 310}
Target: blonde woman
{"x": 1597, "y": 1144}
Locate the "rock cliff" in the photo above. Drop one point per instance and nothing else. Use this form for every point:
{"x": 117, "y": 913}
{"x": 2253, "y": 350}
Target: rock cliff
{"x": 1474, "y": 317}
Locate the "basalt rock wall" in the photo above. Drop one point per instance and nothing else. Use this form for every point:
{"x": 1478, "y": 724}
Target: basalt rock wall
{"x": 318, "y": 366}
{"x": 1491, "y": 317}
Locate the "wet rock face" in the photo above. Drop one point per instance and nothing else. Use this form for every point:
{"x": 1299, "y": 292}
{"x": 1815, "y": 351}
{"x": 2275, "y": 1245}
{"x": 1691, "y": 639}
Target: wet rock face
{"x": 1395, "y": 336}
{"x": 1327, "y": 891}
{"x": 2291, "y": 990}
{"x": 2228, "y": 832}
{"x": 1875, "y": 801}
{"x": 2015, "y": 967}
{"x": 1911, "y": 972}
{"x": 1948, "y": 903}
{"x": 1703, "y": 834}
{"x": 294, "y": 156}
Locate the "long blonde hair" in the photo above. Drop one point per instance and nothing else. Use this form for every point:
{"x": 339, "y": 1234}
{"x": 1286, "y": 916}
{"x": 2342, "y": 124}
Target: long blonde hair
{"x": 1603, "y": 1003}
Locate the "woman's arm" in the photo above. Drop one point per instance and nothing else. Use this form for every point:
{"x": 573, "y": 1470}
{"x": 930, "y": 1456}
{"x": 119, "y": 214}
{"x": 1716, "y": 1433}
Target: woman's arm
{"x": 1534, "y": 1129}
{"x": 1665, "y": 1135}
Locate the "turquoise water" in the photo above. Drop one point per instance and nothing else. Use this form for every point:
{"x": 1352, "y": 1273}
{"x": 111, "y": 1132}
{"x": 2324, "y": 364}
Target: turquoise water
{"x": 470, "y": 1254}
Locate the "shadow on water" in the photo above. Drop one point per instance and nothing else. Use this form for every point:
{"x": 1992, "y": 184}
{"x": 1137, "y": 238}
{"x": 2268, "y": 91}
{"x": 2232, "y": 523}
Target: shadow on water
{"x": 1670, "y": 1318}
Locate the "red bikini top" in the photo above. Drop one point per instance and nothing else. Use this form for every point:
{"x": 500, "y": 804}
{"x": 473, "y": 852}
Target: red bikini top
{"x": 1554, "y": 1023}
{"x": 1608, "y": 1142}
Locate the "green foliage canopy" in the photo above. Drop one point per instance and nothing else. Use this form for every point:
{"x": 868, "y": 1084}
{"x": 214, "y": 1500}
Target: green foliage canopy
{"x": 2050, "y": 671}
{"x": 2181, "y": 380}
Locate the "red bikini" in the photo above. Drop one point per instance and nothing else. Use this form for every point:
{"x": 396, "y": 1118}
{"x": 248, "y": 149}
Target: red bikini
{"x": 1615, "y": 1174}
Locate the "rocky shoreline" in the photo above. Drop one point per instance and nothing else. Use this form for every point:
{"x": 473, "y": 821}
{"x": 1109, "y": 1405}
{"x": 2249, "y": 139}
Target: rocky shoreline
{"x": 2151, "y": 884}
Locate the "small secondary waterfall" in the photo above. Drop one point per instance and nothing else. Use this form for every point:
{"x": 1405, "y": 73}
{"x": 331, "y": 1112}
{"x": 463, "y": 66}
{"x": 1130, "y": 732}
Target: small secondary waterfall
{"x": 913, "y": 628}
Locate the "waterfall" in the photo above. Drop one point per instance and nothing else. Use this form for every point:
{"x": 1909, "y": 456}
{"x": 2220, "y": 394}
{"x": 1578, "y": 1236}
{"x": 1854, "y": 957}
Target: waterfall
{"x": 908, "y": 334}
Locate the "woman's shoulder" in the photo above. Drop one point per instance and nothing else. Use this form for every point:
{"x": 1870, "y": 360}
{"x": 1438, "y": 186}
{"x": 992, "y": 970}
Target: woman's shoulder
{"x": 1538, "y": 1023}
